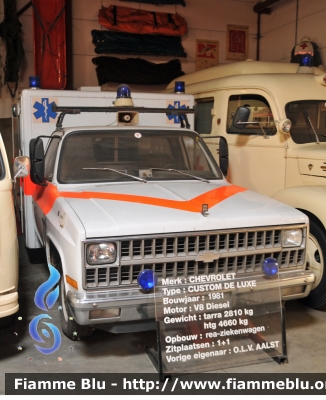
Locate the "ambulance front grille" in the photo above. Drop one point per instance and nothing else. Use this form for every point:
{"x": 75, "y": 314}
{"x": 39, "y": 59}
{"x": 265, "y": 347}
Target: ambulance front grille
{"x": 177, "y": 256}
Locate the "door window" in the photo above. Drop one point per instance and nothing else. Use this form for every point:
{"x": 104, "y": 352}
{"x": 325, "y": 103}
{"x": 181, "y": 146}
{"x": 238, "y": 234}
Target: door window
{"x": 50, "y": 157}
{"x": 308, "y": 118}
{"x": 260, "y": 118}
{"x": 203, "y": 115}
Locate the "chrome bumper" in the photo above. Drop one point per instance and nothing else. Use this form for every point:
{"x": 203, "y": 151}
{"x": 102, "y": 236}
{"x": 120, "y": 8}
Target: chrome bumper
{"x": 136, "y": 305}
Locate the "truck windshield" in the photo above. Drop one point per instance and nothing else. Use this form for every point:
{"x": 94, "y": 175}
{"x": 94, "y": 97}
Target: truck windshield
{"x": 96, "y": 156}
{"x": 308, "y": 119}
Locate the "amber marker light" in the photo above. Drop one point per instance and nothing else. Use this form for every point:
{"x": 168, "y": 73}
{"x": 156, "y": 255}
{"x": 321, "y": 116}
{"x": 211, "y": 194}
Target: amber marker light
{"x": 71, "y": 282}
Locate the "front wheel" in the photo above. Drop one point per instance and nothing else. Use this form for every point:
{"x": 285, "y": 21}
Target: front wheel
{"x": 69, "y": 326}
{"x": 316, "y": 257}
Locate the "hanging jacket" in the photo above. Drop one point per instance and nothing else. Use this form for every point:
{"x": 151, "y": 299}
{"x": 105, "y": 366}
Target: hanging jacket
{"x": 10, "y": 31}
{"x": 109, "y": 42}
{"x": 132, "y": 20}
{"x": 136, "y": 71}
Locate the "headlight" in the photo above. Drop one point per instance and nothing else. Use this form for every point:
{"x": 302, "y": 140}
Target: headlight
{"x": 286, "y": 126}
{"x": 101, "y": 253}
{"x": 292, "y": 237}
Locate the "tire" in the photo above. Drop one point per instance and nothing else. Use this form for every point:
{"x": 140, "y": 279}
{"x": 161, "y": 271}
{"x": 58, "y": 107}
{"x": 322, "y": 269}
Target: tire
{"x": 316, "y": 258}
{"x": 69, "y": 326}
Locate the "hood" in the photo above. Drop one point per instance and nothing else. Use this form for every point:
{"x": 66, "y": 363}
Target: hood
{"x": 140, "y": 209}
{"x": 311, "y": 159}
{"x": 311, "y": 150}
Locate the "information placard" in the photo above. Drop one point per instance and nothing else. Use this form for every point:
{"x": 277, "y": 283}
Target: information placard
{"x": 210, "y": 322}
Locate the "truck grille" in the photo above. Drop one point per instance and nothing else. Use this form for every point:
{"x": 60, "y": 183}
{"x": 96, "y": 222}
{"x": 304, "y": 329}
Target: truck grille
{"x": 177, "y": 256}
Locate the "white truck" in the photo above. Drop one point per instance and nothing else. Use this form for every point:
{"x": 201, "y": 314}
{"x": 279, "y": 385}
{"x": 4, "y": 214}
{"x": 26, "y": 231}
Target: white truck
{"x": 126, "y": 186}
{"x": 277, "y": 145}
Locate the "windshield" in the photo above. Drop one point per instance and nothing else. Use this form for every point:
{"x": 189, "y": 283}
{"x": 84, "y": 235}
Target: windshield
{"x": 308, "y": 119}
{"x": 125, "y": 155}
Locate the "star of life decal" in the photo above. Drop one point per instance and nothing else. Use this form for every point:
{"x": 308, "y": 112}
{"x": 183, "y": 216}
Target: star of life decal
{"x": 44, "y": 113}
{"x": 174, "y": 119}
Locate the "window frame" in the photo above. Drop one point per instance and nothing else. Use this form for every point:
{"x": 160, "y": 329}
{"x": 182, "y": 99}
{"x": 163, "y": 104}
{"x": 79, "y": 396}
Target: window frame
{"x": 211, "y": 162}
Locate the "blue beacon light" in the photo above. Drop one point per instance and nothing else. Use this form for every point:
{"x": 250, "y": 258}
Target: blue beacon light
{"x": 34, "y": 82}
{"x": 123, "y": 92}
{"x": 270, "y": 266}
{"x": 123, "y": 97}
{"x": 306, "y": 60}
{"x": 147, "y": 279}
{"x": 179, "y": 87}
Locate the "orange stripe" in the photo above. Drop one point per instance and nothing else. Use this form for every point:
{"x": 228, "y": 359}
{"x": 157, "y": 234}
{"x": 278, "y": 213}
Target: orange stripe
{"x": 29, "y": 186}
{"x": 45, "y": 196}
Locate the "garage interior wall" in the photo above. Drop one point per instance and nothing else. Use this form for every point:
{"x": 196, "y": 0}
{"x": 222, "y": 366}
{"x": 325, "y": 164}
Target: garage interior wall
{"x": 289, "y": 21}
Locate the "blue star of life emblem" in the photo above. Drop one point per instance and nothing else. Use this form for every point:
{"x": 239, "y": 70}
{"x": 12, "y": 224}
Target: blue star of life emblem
{"x": 176, "y": 119}
{"x": 44, "y": 110}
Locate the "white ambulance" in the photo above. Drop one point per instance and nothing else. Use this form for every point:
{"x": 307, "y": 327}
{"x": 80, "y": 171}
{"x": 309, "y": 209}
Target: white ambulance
{"x": 125, "y": 186}
{"x": 279, "y": 146}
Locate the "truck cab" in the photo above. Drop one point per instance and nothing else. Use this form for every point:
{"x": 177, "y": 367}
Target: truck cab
{"x": 119, "y": 190}
{"x": 279, "y": 149}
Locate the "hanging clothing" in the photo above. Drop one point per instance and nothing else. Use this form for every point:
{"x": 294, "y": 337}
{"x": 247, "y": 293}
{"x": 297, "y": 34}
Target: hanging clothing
{"x": 124, "y": 19}
{"x": 10, "y": 31}
{"x": 107, "y": 42}
{"x": 50, "y": 43}
{"x": 136, "y": 71}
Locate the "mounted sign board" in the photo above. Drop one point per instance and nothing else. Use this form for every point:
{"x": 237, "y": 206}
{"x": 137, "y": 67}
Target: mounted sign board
{"x": 237, "y": 42}
{"x": 206, "y": 54}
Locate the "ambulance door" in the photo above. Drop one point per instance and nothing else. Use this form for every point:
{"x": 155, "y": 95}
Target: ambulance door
{"x": 256, "y": 151}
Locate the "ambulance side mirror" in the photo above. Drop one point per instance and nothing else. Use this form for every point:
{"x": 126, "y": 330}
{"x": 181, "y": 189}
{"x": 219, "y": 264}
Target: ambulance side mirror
{"x": 224, "y": 155}
{"x": 36, "y": 154}
{"x": 241, "y": 118}
{"x": 222, "y": 151}
{"x": 21, "y": 167}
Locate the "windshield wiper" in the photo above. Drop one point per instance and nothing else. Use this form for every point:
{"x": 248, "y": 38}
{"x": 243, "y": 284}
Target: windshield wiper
{"x": 181, "y": 172}
{"x": 120, "y": 172}
{"x": 308, "y": 120}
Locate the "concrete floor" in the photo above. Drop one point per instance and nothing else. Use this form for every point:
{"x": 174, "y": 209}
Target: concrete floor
{"x": 108, "y": 353}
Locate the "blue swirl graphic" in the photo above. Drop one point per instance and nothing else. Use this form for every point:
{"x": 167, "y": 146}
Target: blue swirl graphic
{"x": 45, "y": 333}
{"x": 45, "y": 287}
{"x": 35, "y": 335}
